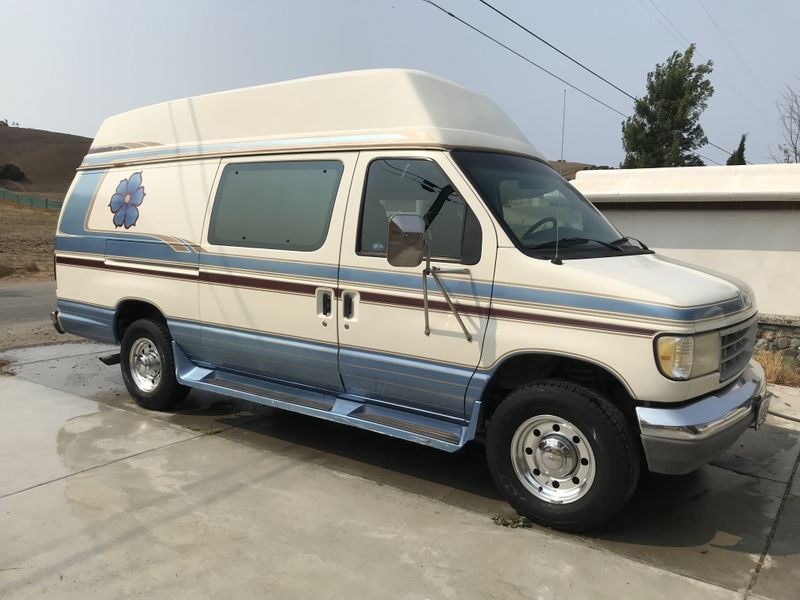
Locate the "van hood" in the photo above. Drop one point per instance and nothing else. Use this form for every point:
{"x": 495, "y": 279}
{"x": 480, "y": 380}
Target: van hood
{"x": 696, "y": 293}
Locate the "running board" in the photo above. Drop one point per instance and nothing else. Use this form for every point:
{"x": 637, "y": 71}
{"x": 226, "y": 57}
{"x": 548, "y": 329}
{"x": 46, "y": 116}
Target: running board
{"x": 408, "y": 426}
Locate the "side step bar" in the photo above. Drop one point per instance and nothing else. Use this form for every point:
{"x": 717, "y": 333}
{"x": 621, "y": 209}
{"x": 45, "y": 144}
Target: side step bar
{"x": 424, "y": 430}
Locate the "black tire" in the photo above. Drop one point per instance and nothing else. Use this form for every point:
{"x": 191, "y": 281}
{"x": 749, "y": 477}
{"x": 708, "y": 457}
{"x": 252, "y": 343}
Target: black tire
{"x": 612, "y": 445}
{"x": 164, "y": 393}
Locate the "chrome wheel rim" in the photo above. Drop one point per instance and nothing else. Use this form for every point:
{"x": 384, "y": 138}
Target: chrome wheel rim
{"x": 145, "y": 364}
{"x": 553, "y": 459}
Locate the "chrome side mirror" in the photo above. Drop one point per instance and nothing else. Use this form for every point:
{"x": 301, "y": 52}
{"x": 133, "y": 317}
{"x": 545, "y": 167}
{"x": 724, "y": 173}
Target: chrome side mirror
{"x": 406, "y": 240}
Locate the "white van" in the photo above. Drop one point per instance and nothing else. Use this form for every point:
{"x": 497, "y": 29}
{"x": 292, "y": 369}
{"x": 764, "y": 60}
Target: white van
{"x": 386, "y": 249}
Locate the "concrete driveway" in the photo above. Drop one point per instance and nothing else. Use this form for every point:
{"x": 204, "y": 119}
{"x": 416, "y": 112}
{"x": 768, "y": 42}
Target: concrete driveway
{"x": 99, "y": 498}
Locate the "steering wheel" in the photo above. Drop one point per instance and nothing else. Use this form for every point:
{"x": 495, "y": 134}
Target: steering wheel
{"x": 538, "y": 224}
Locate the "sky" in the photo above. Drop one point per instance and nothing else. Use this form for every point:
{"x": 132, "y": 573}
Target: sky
{"x": 71, "y": 64}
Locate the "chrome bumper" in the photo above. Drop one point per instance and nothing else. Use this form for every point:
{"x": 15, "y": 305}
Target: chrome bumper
{"x": 680, "y": 440}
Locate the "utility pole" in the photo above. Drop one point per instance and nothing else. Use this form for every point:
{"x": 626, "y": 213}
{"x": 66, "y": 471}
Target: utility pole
{"x": 563, "y": 121}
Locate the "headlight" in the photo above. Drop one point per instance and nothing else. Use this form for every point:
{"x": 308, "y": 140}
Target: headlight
{"x": 685, "y": 357}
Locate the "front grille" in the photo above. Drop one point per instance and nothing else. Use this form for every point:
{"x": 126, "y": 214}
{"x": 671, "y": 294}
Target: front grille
{"x": 736, "y": 349}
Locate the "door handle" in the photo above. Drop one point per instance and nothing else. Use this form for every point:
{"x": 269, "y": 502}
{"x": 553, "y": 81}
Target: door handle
{"x": 349, "y": 305}
{"x": 324, "y": 302}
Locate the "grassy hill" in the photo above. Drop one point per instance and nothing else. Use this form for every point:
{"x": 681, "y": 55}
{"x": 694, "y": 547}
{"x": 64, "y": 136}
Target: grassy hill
{"x": 49, "y": 159}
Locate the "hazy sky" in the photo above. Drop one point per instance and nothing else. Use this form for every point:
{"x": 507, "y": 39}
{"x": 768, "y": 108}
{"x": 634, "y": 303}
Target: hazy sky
{"x": 68, "y": 65}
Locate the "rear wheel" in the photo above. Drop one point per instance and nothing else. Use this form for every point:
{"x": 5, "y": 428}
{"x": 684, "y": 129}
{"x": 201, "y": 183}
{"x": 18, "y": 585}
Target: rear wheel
{"x": 148, "y": 367}
{"x": 563, "y": 455}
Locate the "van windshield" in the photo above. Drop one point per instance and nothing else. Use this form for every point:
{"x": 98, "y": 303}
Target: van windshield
{"x": 539, "y": 210}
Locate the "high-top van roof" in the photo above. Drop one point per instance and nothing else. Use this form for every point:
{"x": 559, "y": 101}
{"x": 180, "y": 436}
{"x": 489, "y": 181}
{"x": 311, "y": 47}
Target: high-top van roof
{"x": 372, "y": 108}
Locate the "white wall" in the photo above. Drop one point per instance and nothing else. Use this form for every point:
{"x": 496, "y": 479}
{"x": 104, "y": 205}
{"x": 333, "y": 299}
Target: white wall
{"x": 723, "y": 218}
{"x": 761, "y": 247}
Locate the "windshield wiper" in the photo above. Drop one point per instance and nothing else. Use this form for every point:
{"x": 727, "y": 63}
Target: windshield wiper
{"x": 575, "y": 241}
{"x": 627, "y": 238}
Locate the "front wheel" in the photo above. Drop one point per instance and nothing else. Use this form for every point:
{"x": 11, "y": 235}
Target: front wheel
{"x": 148, "y": 367}
{"x": 563, "y": 455}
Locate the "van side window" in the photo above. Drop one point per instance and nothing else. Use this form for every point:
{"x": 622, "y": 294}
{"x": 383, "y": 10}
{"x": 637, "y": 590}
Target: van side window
{"x": 283, "y": 205}
{"x": 406, "y": 185}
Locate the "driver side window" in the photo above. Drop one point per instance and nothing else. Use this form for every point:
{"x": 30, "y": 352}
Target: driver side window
{"x": 411, "y": 185}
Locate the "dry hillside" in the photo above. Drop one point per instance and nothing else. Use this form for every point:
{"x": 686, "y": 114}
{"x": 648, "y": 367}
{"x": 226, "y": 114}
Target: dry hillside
{"x": 49, "y": 159}
{"x": 26, "y": 241}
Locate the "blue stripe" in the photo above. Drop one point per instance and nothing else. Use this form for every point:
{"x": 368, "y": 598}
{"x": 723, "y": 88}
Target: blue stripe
{"x": 413, "y": 282}
{"x": 477, "y": 385}
{"x": 189, "y": 336}
{"x": 320, "y": 271}
{"x": 266, "y": 145}
{"x": 577, "y": 300}
{"x": 109, "y": 243}
{"x": 87, "y": 320}
{"x": 151, "y": 249}
{"x": 305, "y": 362}
{"x": 76, "y": 206}
{"x": 419, "y": 383}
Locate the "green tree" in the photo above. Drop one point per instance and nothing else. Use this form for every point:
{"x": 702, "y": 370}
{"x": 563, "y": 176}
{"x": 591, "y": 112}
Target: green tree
{"x": 665, "y": 129}
{"x": 737, "y": 158}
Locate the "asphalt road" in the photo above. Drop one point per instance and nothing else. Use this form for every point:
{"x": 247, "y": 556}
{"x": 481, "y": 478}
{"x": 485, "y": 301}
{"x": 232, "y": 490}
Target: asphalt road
{"x": 26, "y": 303}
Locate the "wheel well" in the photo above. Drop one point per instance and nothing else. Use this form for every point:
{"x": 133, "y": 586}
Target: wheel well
{"x": 526, "y": 368}
{"x": 129, "y": 311}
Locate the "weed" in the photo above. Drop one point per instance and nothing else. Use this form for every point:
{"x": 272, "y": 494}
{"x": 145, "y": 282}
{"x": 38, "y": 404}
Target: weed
{"x": 4, "y": 370}
{"x": 513, "y": 522}
{"x": 779, "y": 368}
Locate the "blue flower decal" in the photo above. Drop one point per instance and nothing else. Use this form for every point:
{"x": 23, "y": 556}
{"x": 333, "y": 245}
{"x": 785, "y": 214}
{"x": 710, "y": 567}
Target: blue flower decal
{"x": 125, "y": 201}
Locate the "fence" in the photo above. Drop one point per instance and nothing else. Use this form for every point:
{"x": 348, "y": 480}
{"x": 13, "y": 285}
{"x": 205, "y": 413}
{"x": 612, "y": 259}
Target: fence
{"x": 32, "y": 201}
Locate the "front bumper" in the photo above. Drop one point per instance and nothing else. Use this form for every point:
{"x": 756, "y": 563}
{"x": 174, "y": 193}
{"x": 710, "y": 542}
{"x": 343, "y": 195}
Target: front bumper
{"x": 681, "y": 439}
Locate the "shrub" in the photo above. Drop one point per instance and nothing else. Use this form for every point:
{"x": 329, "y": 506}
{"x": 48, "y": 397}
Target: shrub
{"x": 779, "y": 369}
{"x": 12, "y": 172}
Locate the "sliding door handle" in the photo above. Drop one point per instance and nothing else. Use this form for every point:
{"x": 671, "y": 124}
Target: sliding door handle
{"x": 324, "y": 302}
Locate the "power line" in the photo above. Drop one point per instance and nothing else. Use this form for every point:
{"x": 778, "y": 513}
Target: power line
{"x": 725, "y": 37}
{"x": 525, "y": 58}
{"x": 518, "y": 24}
{"x": 710, "y": 159}
{"x": 562, "y": 53}
{"x": 671, "y": 24}
{"x": 660, "y": 22}
{"x": 716, "y": 73}
{"x": 538, "y": 66}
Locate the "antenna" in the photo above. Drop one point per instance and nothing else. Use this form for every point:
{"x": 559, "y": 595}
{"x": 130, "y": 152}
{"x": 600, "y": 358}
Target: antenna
{"x": 563, "y": 121}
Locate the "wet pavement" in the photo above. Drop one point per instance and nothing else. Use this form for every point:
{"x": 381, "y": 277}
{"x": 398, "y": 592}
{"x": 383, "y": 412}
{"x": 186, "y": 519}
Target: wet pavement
{"x": 99, "y": 497}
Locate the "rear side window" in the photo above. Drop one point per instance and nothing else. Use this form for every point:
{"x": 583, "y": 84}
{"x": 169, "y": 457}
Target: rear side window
{"x": 406, "y": 185}
{"x": 283, "y": 205}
